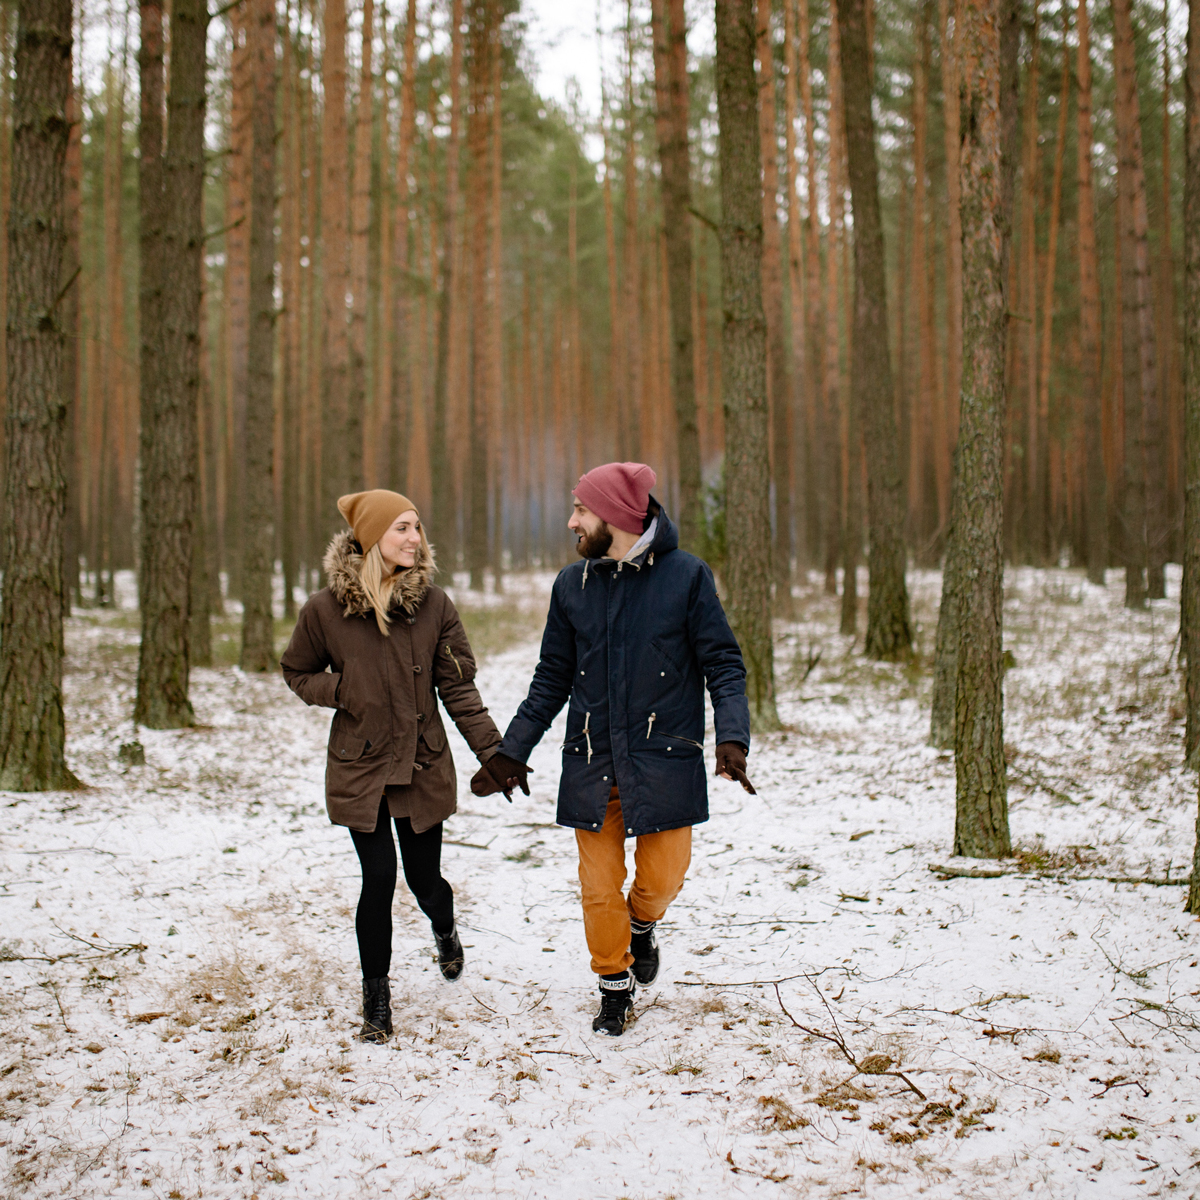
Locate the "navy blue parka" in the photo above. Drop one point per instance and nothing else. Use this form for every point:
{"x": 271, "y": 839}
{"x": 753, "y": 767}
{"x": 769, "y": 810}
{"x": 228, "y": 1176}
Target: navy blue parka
{"x": 631, "y": 645}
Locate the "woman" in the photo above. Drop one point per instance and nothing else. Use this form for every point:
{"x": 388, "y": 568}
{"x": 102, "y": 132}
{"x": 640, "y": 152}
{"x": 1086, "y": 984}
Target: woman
{"x": 375, "y": 645}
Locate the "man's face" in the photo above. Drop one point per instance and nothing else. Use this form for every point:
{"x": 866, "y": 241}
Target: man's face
{"x": 594, "y": 538}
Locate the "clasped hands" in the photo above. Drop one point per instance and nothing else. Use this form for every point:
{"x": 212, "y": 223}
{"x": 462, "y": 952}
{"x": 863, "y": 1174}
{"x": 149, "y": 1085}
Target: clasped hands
{"x": 503, "y": 774}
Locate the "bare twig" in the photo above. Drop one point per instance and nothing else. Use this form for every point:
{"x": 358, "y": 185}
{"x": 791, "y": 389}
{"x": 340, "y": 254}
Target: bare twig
{"x": 839, "y": 1041}
{"x": 1118, "y": 1081}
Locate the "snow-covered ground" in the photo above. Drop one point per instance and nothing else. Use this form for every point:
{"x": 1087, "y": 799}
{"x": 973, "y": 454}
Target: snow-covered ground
{"x": 179, "y": 982}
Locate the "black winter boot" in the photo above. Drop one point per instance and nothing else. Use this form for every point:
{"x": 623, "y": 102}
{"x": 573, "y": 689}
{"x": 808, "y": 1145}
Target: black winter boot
{"x": 449, "y": 953}
{"x": 643, "y": 945}
{"x": 616, "y": 1004}
{"x": 377, "y": 1010}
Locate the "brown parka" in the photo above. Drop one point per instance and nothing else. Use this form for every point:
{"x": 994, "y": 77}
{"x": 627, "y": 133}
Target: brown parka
{"x": 387, "y": 733}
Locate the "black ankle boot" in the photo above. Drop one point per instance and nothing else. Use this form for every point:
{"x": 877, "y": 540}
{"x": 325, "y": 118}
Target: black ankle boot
{"x": 377, "y": 1010}
{"x": 616, "y": 1004}
{"x": 643, "y": 945}
{"x": 449, "y": 953}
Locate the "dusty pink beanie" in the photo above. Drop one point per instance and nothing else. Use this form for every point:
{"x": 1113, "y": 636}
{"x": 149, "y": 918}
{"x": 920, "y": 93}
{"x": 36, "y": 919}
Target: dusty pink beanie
{"x": 618, "y": 493}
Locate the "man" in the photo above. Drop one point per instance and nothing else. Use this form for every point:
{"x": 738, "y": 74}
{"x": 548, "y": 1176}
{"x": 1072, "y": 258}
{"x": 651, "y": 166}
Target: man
{"x": 633, "y": 634}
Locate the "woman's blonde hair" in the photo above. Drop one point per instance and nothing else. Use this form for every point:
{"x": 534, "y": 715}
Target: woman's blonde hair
{"x": 377, "y": 583}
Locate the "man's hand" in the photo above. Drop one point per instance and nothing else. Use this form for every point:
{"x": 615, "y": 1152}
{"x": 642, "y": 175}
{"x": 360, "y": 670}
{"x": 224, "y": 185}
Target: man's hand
{"x": 500, "y": 774}
{"x": 731, "y": 764}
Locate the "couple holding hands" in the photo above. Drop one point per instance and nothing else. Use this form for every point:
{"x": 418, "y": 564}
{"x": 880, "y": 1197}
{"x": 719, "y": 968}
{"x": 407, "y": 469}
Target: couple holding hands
{"x": 634, "y": 633}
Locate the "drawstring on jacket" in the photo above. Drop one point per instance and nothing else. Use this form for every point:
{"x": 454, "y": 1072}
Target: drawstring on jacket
{"x": 587, "y": 562}
{"x": 650, "y": 724}
{"x": 587, "y": 718}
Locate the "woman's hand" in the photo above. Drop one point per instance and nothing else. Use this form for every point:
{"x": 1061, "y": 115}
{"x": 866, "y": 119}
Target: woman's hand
{"x": 500, "y": 774}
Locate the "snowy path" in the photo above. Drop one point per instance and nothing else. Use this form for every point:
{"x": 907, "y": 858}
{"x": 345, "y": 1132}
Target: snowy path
{"x": 1050, "y": 1024}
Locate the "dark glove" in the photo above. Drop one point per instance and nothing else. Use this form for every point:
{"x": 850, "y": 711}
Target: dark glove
{"x": 731, "y": 764}
{"x": 500, "y": 774}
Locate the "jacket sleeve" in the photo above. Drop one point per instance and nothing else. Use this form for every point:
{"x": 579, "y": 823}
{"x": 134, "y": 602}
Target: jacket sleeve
{"x": 454, "y": 677}
{"x": 305, "y": 659}
{"x": 720, "y": 659}
{"x": 550, "y": 688}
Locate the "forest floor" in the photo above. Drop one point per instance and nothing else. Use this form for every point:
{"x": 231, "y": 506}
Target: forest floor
{"x": 179, "y": 982}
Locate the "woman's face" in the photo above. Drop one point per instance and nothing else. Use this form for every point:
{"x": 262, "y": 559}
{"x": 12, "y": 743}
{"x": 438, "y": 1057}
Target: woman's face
{"x": 400, "y": 543}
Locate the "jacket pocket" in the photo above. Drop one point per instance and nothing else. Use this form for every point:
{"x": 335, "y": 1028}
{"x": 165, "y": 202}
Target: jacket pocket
{"x": 666, "y": 657}
{"x": 668, "y": 743}
{"x": 348, "y": 749}
{"x": 433, "y": 734}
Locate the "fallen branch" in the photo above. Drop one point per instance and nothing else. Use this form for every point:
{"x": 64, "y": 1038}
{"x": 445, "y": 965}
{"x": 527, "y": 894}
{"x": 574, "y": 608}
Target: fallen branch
{"x": 873, "y": 1064}
{"x": 1118, "y": 1081}
{"x": 947, "y": 872}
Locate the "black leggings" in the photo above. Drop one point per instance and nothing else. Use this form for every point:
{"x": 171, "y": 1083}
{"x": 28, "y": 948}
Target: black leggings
{"x": 421, "y": 854}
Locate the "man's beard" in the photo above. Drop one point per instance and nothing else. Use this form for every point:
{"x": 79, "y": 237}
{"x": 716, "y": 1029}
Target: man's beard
{"x": 595, "y": 545}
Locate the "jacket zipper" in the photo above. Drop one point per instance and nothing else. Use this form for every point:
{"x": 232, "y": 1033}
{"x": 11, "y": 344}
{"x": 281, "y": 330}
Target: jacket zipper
{"x": 450, "y": 654}
{"x": 675, "y": 737}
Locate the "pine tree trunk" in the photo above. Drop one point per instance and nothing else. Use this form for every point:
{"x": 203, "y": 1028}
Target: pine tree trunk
{"x": 236, "y": 285}
{"x": 71, "y": 310}
{"x": 630, "y": 394}
{"x": 889, "y": 628}
{"x": 169, "y": 463}
{"x": 482, "y": 30}
{"x": 922, "y": 482}
{"x": 823, "y": 485}
{"x": 360, "y": 241}
{"x": 340, "y": 436}
{"x": 32, "y": 726}
{"x": 439, "y": 449}
{"x": 402, "y": 338}
{"x": 981, "y": 808}
{"x": 671, "y": 124}
{"x": 779, "y": 384}
{"x": 1050, "y": 524}
{"x": 797, "y": 299}
{"x": 743, "y": 357}
{"x": 1191, "y": 383}
{"x": 1096, "y": 512}
{"x": 840, "y": 543}
{"x": 956, "y": 563}
{"x": 258, "y": 524}
{"x": 1145, "y": 483}
{"x": 950, "y": 48}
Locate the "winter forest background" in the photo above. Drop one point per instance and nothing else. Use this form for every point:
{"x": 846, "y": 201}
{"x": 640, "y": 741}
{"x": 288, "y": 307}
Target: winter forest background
{"x": 900, "y": 299}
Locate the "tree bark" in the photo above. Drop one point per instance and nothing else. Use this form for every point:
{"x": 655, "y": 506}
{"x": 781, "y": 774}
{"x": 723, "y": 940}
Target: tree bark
{"x": 1096, "y": 513}
{"x": 32, "y": 726}
{"x": 340, "y": 436}
{"x": 1191, "y": 392}
{"x": 1145, "y": 482}
{"x": 669, "y": 30}
{"x": 743, "y": 357}
{"x": 797, "y": 298}
{"x": 169, "y": 462}
{"x": 360, "y": 242}
{"x": 981, "y": 807}
{"x": 950, "y": 48}
{"x": 889, "y": 627}
{"x": 483, "y": 30}
{"x": 1051, "y": 525}
{"x": 779, "y": 384}
{"x": 945, "y": 671}
{"x": 439, "y": 448}
{"x": 402, "y": 334}
{"x": 258, "y": 523}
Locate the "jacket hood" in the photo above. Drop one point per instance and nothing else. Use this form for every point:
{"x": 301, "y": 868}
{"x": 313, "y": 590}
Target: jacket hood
{"x": 666, "y": 536}
{"x": 343, "y": 557}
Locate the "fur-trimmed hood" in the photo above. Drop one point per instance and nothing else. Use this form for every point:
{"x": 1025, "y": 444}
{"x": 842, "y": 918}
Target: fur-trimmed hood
{"x": 343, "y": 557}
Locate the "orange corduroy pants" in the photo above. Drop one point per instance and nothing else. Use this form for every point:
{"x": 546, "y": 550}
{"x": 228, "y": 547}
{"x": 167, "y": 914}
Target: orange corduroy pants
{"x": 660, "y": 861}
